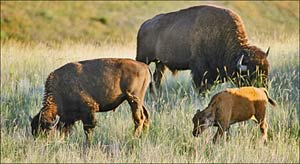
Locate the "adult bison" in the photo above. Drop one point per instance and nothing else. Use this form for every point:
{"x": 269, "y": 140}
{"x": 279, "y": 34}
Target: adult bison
{"x": 209, "y": 40}
{"x": 78, "y": 90}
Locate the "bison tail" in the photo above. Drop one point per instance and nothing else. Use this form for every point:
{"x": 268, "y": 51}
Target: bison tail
{"x": 270, "y": 100}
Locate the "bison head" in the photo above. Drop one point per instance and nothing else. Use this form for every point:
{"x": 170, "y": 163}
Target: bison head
{"x": 202, "y": 120}
{"x": 39, "y": 125}
{"x": 253, "y": 61}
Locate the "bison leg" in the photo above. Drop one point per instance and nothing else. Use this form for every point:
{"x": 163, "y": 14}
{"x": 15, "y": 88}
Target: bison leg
{"x": 221, "y": 130}
{"x": 88, "y": 131}
{"x": 65, "y": 129}
{"x": 219, "y": 134}
{"x": 260, "y": 116}
{"x": 228, "y": 134}
{"x": 89, "y": 123}
{"x": 137, "y": 113}
{"x": 138, "y": 118}
{"x": 88, "y": 107}
{"x": 264, "y": 129}
{"x": 202, "y": 81}
{"x": 147, "y": 120}
{"x": 159, "y": 73}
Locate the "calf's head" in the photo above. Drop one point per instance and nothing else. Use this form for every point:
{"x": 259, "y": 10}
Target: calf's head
{"x": 202, "y": 120}
{"x": 39, "y": 125}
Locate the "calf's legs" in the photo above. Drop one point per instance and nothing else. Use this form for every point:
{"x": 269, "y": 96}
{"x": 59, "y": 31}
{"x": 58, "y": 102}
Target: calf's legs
{"x": 264, "y": 129}
{"x": 260, "y": 116}
{"x": 140, "y": 114}
{"x": 218, "y": 134}
{"x": 222, "y": 127}
{"x": 139, "y": 119}
{"x": 147, "y": 119}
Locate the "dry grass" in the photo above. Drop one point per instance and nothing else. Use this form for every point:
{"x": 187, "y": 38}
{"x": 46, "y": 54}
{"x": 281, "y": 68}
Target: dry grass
{"x": 25, "y": 66}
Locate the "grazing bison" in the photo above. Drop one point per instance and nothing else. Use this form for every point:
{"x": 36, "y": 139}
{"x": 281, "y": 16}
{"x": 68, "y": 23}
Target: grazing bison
{"x": 231, "y": 106}
{"x": 78, "y": 90}
{"x": 208, "y": 40}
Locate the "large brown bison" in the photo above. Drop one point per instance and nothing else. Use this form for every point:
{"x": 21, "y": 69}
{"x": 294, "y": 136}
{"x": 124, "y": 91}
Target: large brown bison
{"x": 209, "y": 40}
{"x": 78, "y": 90}
{"x": 231, "y": 106}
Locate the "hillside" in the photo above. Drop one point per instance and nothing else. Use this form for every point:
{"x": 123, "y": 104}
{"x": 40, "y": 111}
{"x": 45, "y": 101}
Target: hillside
{"x": 119, "y": 21}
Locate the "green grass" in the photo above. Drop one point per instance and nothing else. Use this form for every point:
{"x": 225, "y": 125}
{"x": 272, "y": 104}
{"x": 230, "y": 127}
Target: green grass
{"x": 36, "y": 38}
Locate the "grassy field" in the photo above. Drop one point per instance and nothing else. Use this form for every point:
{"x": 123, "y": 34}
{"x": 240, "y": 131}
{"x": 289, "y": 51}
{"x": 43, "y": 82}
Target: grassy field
{"x": 27, "y": 61}
{"x": 104, "y": 20}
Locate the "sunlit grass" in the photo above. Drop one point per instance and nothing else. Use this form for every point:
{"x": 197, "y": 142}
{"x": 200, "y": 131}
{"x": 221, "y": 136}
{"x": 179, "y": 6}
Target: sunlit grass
{"x": 25, "y": 66}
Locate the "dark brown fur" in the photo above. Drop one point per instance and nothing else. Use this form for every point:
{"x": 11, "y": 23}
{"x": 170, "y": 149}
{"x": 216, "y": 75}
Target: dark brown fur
{"x": 205, "y": 39}
{"x": 231, "y": 106}
{"x": 78, "y": 90}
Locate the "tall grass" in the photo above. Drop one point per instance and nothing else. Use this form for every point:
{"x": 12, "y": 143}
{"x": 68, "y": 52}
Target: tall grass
{"x": 25, "y": 66}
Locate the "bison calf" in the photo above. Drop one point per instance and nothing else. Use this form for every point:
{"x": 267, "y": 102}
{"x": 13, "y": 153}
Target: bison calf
{"x": 78, "y": 90}
{"x": 231, "y": 106}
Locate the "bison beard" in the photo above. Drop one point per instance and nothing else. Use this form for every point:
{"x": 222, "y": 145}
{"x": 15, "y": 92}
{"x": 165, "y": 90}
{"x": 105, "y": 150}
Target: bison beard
{"x": 208, "y": 40}
{"x": 78, "y": 90}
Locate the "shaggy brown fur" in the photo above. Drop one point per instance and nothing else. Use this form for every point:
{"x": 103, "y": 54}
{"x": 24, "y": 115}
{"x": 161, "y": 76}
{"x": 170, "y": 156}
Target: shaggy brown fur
{"x": 205, "y": 39}
{"x": 231, "y": 106}
{"x": 78, "y": 90}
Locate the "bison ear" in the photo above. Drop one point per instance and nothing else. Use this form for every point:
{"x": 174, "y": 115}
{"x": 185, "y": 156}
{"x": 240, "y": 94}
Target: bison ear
{"x": 30, "y": 118}
{"x": 198, "y": 110}
{"x": 267, "y": 52}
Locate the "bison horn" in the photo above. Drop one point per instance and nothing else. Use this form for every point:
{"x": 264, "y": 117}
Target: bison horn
{"x": 240, "y": 66}
{"x": 55, "y": 122}
{"x": 267, "y": 52}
